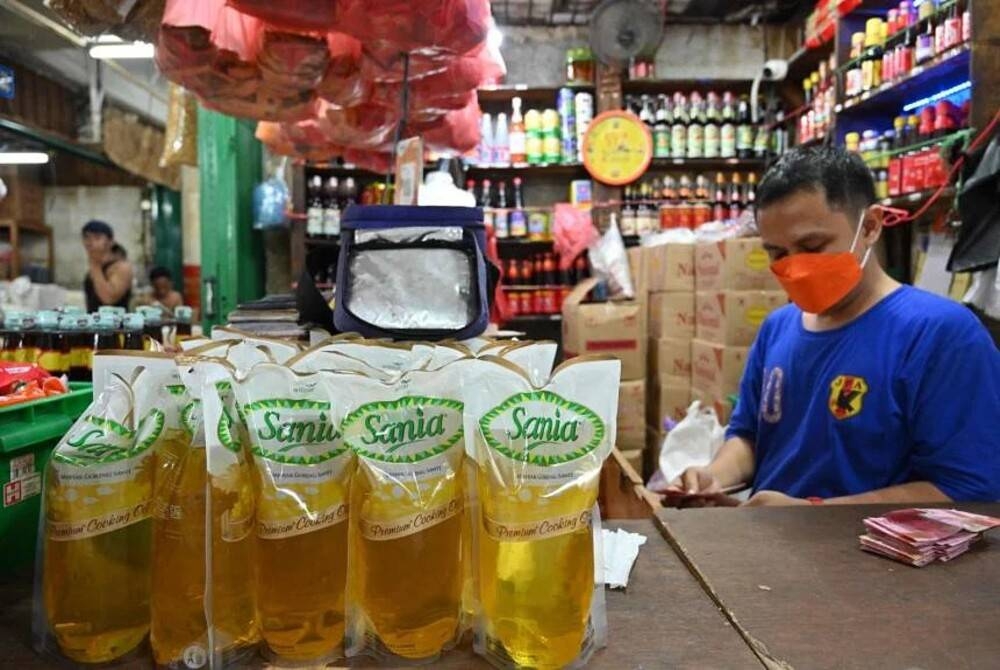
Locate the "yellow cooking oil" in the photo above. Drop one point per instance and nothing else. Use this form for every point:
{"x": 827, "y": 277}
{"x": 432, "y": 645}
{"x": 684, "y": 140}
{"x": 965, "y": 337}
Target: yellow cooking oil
{"x": 407, "y": 521}
{"x": 303, "y": 473}
{"x": 539, "y": 457}
{"x": 96, "y": 569}
{"x": 179, "y": 629}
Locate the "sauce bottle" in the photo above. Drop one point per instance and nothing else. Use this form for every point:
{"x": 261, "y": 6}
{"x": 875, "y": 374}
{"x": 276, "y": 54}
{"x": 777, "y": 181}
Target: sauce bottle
{"x": 53, "y": 354}
{"x": 184, "y": 316}
{"x": 106, "y": 336}
{"x": 132, "y": 325}
{"x": 28, "y": 351}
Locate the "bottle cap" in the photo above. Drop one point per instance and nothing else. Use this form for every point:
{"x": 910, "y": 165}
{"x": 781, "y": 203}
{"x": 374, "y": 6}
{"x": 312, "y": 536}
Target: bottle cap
{"x": 133, "y": 322}
{"x": 48, "y": 319}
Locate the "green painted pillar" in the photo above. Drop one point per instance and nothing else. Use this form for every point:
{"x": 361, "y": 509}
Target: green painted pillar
{"x": 232, "y": 258}
{"x": 168, "y": 233}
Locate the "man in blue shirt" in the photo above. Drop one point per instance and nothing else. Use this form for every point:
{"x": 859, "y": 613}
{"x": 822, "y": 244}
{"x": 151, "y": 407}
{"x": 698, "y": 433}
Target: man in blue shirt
{"x": 862, "y": 390}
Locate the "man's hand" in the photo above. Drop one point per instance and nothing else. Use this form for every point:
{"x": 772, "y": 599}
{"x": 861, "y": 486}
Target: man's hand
{"x": 773, "y": 499}
{"x": 697, "y": 480}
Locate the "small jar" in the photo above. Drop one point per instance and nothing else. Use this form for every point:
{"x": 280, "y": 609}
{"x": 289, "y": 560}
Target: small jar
{"x": 580, "y": 66}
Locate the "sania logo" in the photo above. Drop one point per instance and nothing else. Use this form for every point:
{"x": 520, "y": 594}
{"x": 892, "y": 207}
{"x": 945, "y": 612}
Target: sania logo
{"x": 299, "y": 432}
{"x": 99, "y": 441}
{"x": 407, "y": 430}
{"x": 542, "y": 428}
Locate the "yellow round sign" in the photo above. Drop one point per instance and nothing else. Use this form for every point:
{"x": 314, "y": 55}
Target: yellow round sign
{"x": 617, "y": 148}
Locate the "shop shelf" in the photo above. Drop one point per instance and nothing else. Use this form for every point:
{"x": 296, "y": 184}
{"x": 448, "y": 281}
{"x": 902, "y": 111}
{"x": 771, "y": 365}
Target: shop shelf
{"x": 706, "y": 164}
{"x": 941, "y": 72}
{"x": 658, "y": 86}
{"x": 28, "y": 432}
{"x": 509, "y": 171}
{"x": 322, "y": 241}
{"x": 531, "y": 96}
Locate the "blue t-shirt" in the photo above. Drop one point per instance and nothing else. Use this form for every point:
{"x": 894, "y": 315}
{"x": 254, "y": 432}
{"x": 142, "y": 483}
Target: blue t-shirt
{"x": 908, "y": 391}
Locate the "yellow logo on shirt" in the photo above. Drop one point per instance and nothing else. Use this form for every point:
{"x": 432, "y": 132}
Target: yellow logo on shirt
{"x": 847, "y": 393}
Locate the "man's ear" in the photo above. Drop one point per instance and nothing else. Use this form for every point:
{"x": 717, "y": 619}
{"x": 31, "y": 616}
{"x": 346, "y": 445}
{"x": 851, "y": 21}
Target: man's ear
{"x": 872, "y": 225}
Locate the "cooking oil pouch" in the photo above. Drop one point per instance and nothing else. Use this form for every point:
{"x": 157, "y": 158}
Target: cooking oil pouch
{"x": 303, "y": 474}
{"x": 93, "y": 565}
{"x": 203, "y": 609}
{"x": 539, "y": 452}
{"x": 536, "y": 358}
{"x": 407, "y": 527}
{"x": 281, "y": 349}
{"x": 387, "y": 358}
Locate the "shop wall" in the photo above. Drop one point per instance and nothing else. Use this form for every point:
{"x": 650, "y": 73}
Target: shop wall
{"x": 536, "y": 56}
{"x": 67, "y": 208}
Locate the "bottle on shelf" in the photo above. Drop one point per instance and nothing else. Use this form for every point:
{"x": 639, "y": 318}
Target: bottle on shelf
{"x": 750, "y": 199}
{"x": 518, "y": 217}
{"x": 501, "y": 217}
{"x": 711, "y": 132}
{"x": 470, "y": 188}
{"x": 331, "y": 208}
{"x": 549, "y": 266}
{"x": 349, "y": 192}
{"x": 629, "y": 216}
{"x": 735, "y": 197}
{"x": 871, "y": 62}
{"x": 762, "y": 139}
{"x": 501, "y": 142}
{"x": 486, "y": 140}
{"x": 679, "y": 130}
{"x": 486, "y": 202}
{"x": 314, "y": 206}
{"x": 727, "y": 131}
{"x": 779, "y": 136}
{"x": 533, "y": 136}
{"x": 720, "y": 206}
{"x": 661, "y": 128}
{"x": 644, "y": 220}
{"x": 646, "y": 113}
{"x": 518, "y": 151}
{"x": 924, "y": 50}
{"x": 527, "y": 273}
{"x": 133, "y": 326}
{"x": 696, "y": 127}
{"x": 744, "y": 129}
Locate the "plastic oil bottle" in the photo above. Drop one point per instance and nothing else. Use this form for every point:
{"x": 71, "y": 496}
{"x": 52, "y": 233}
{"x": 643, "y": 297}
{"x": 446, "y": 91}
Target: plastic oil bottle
{"x": 179, "y": 632}
{"x": 98, "y": 530}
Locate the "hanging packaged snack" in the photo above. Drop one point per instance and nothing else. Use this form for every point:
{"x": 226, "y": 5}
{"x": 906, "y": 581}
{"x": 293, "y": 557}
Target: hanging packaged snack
{"x": 180, "y": 143}
{"x": 184, "y": 50}
{"x": 303, "y": 474}
{"x": 539, "y": 452}
{"x": 203, "y": 600}
{"x": 406, "y": 510}
{"x": 92, "y": 604}
{"x": 342, "y": 84}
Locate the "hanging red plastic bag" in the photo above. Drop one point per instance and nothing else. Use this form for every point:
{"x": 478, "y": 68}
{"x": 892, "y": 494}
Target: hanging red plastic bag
{"x": 458, "y": 131}
{"x": 343, "y": 84}
{"x": 184, "y": 49}
{"x": 318, "y": 15}
{"x": 365, "y": 126}
{"x": 376, "y": 70}
{"x": 292, "y": 61}
{"x": 430, "y": 26}
{"x": 374, "y": 161}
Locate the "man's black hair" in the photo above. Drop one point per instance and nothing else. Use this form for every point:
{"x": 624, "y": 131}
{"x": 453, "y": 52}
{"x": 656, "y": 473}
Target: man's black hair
{"x": 840, "y": 175}
{"x": 98, "y": 228}
{"x": 159, "y": 271}
{"x": 119, "y": 249}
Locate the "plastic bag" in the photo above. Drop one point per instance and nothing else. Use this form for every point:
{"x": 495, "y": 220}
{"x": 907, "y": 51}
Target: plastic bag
{"x": 318, "y": 16}
{"x": 270, "y": 200}
{"x": 180, "y": 145}
{"x": 692, "y": 442}
{"x": 539, "y": 453}
{"x": 292, "y": 61}
{"x": 391, "y": 27}
{"x": 458, "y": 132}
{"x": 609, "y": 262}
{"x": 573, "y": 231}
{"x": 407, "y": 500}
{"x": 304, "y": 474}
{"x": 203, "y": 608}
{"x": 185, "y": 51}
{"x": 93, "y": 587}
{"x": 92, "y": 17}
{"x": 365, "y": 126}
{"x": 342, "y": 84}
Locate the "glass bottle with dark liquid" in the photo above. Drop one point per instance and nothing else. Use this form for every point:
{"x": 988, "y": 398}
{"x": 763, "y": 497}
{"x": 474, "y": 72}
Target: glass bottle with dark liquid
{"x": 133, "y": 325}
{"x": 53, "y": 346}
{"x": 11, "y": 336}
{"x": 183, "y": 315}
{"x": 106, "y": 332}
{"x": 28, "y": 350}
{"x": 153, "y": 326}
{"x": 78, "y": 345}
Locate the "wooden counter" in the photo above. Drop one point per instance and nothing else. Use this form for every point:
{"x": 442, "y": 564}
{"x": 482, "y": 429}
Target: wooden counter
{"x": 807, "y": 597}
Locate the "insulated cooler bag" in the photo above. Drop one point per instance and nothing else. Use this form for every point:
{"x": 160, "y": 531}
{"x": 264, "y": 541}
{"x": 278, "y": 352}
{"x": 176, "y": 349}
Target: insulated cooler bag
{"x": 412, "y": 272}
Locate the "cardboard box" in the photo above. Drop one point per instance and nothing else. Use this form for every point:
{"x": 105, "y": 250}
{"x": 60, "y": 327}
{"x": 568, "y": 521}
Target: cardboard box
{"x": 667, "y": 400}
{"x": 717, "y": 368}
{"x": 670, "y": 360}
{"x": 636, "y": 265}
{"x": 631, "y": 415}
{"x": 668, "y": 267}
{"x": 734, "y": 317}
{"x": 723, "y": 408}
{"x": 740, "y": 264}
{"x": 612, "y": 328}
{"x": 671, "y": 314}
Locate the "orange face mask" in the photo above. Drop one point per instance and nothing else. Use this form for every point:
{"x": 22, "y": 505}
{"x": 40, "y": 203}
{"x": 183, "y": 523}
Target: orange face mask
{"x": 817, "y": 282}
